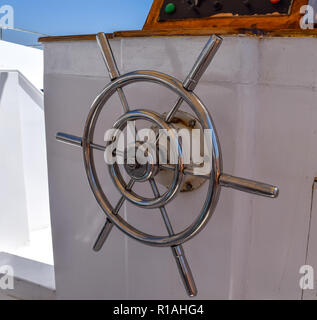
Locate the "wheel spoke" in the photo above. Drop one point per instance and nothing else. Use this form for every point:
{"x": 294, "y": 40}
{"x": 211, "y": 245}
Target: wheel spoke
{"x": 199, "y": 68}
{"x": 169, "y": 167}
{"x": 98, "y": 147}
{"x": 228, "y": 181}
{"x": 111, "y": 65}
{"x": 105, "y": 231}
{"x": 78, "y": 142}
{"x": 249, "y": 186}
{"x": 172, "y": 113}
{"x": 123, "y": 100}
{"x": 69, "y": 139}
{"x": 178, "y": 251}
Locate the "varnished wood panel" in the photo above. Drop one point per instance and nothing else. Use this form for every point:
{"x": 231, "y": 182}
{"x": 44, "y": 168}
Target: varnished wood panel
{"x": 180, "y": 32}
{"x": 274, "y": 26}
{"x": 231, "y": 25}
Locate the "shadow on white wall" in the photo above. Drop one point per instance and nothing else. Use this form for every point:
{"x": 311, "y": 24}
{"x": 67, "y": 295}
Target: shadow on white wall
{"x": 24, "y": 216}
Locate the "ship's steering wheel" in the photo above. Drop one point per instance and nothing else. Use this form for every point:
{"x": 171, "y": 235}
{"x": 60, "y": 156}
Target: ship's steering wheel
{"x": 150, "y": 172}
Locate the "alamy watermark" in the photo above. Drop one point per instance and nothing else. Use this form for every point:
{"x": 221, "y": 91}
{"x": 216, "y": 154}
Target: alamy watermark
{"x": 306, "y": 282}
{"x": 6, "y": 17}
{"x": 308, "y": 19}
{"x": 6, "y": 277}
{"x": 159, "y": 147}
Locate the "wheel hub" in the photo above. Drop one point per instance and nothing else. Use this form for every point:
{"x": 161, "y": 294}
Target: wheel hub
{"x": 138, "y": 171}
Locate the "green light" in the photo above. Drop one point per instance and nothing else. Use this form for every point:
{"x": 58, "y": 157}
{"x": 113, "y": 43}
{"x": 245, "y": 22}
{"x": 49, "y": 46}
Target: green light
{"x": 170, "y": 8}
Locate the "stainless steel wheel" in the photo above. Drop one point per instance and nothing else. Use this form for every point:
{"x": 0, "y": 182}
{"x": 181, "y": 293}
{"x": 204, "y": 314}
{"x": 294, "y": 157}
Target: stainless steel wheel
{"x": 146, "y": 173}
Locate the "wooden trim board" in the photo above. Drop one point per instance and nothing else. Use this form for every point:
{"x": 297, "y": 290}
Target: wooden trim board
{"x": 269, "y": 26}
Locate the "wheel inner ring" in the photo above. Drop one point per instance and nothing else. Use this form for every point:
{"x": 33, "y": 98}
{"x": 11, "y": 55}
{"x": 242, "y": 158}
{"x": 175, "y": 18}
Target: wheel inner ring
{"x": 115, "y": 173}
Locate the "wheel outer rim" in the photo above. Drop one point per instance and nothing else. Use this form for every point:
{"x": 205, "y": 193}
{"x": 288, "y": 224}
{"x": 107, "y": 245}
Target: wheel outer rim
{"x": 206, "y": 121}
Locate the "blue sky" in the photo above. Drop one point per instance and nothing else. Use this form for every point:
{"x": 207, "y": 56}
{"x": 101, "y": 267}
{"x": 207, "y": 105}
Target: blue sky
{"x": 57, "y": 17}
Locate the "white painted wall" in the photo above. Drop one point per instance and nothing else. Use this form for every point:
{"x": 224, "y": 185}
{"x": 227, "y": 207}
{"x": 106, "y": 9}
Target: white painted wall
{"x": 14, "y": 229}
{"x": 261, "y": 94}
{"x": 29, "y": 61}
{"x": 23, "y": 166}
{"x": 32, "y": 124}
{"x": 32, "y": 280}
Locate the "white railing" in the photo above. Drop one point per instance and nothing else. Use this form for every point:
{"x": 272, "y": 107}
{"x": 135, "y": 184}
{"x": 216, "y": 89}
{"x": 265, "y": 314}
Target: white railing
{"x": 36, "y": 44}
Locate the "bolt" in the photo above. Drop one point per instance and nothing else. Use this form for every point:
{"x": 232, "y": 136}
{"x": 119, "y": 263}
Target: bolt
{"x": 188, "y": 186}
{"x": 192, "y": 123}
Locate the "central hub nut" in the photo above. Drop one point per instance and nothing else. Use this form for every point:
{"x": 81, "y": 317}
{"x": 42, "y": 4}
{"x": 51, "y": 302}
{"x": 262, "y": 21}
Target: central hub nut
{"x": 137, "y": 171}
